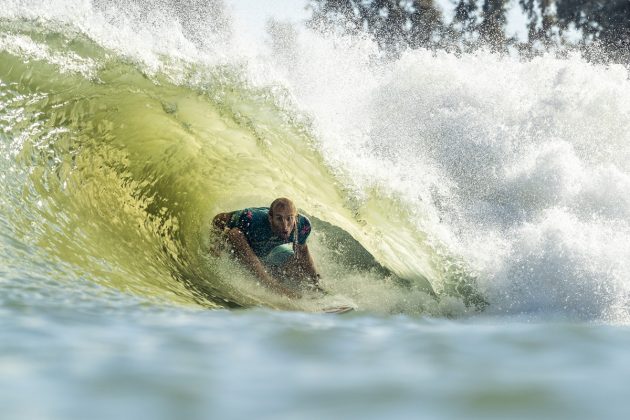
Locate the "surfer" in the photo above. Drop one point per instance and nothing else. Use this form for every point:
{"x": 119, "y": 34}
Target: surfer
{"x": 271, "y": 242}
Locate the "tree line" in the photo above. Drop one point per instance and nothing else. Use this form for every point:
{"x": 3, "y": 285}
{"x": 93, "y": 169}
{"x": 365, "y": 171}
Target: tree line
{"x": 552, "y": 25}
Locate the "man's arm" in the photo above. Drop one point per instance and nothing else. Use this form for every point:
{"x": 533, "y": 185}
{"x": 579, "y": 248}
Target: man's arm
{"x": 306, "y": 265}
{"x": 221, "y": 220}
{"x": 245, "y": 253}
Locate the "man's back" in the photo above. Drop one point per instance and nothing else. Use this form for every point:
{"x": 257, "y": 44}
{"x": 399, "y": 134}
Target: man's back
{"x": 255, "y": 225}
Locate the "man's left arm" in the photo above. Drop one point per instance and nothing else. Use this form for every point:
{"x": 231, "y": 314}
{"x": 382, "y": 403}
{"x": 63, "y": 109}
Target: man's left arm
{"x": 306, "y": 263}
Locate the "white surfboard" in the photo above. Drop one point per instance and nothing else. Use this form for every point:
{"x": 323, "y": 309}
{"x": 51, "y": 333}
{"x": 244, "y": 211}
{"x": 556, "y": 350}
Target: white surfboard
{"x": 341, "y": 309}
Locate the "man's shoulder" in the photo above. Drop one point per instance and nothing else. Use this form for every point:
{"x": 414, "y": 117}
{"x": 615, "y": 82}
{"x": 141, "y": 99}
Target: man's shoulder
{"x": 257, "y": 213}
{"x": 304, "y": 228}
{"x": 303, "y": 220}
{"x": 249, "y": 217}
{"x": 251, "y": 212}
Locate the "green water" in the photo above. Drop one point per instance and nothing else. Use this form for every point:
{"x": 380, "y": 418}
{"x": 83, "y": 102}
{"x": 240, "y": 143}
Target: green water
{"x": 122, "y": 172}
{"x": 115, "y": 306}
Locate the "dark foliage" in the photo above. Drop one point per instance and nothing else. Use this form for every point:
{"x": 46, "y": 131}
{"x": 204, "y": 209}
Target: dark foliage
{"x": 492, "y": 25}
{"x": 400, "y": 24}
{"x": 394, "y": 24}
{"x": 606, "y": 23}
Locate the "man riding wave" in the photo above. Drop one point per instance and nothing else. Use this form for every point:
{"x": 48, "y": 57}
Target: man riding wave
{"x": 271, "y": 242}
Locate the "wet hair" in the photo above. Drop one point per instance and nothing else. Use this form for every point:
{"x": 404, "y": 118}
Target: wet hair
{"x": 282, "y": 202}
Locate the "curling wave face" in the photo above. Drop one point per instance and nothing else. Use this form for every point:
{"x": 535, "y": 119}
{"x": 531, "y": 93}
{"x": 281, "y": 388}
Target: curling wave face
{"x": 439, "y": 184}
{"x": 114, "y": 174}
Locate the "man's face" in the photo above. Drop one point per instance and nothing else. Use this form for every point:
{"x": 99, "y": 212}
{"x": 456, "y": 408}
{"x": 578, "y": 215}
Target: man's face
{"x": 282, "y": 221}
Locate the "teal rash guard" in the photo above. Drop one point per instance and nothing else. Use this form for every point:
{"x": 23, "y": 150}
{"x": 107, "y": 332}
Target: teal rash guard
{"x": 255, "y": 225}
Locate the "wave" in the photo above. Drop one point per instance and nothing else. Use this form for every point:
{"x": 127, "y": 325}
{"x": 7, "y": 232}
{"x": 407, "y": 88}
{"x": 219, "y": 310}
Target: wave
{"x": 437, "y": 184}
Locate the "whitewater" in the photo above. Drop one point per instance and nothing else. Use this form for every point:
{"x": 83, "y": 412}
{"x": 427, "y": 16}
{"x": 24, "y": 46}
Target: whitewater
{"x": 471, "y": 207}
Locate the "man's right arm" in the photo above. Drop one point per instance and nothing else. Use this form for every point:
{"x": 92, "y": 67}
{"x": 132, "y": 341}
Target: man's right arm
{"x": 221, "y": 220}
{"x": 245, "y": 253}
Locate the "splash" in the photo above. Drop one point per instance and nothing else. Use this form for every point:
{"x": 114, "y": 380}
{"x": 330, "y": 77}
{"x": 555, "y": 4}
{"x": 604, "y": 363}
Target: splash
{"x": 464, "y": 182}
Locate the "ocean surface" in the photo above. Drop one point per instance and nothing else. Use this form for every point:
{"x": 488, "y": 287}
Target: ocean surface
{"x": 473, "y": 209}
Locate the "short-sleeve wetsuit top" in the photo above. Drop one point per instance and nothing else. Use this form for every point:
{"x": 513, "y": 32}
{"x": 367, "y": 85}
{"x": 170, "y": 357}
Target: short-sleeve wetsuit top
{"x": 255, "y": 225}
